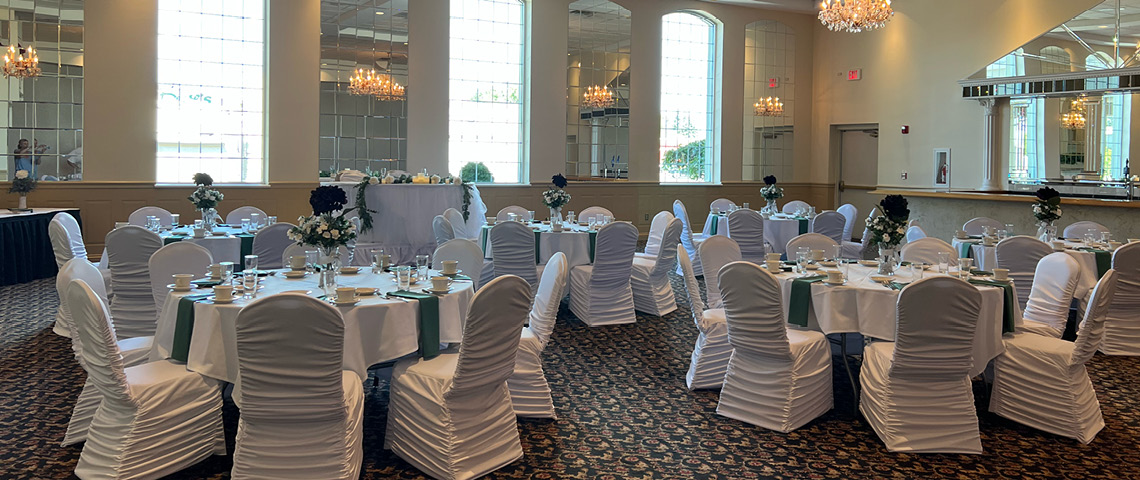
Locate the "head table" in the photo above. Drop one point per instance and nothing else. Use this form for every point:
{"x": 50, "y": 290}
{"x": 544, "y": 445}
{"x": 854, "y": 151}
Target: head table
{"x": 377, "y": 329}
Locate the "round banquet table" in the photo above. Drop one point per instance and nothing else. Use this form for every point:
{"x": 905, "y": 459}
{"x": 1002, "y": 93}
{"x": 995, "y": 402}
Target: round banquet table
{"x": 985, "y": 258}
{"x": 778, "y": 229}
{"x": 376, "y": 329}
{"x": 25, "y": 248}
{"x": 231, "y": 246}
{"x": 576, "y": 242}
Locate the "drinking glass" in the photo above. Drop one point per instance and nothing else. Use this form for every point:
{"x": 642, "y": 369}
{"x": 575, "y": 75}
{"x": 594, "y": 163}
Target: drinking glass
{"x": 964, "y": 267}
{"x": 593, "y": 222}
{"x": 1105, "y": 237}
{"x": 1009, "y": 229}
{"x": 249, "y": 283}
{"x": 254, "y": 220}
{"x": 404, "y": 278}
{"x": 175, "y": 220}
{"x": 530, "y": 216}
{"x": 251, "y": 263}
{"x": 311, "y": 259}
{"x": 803, "y": 256}
{"x": 227, "y": 272}
{"x": 943, "y": 262}
{"x": 916, "y": 270}
{"x": 422, "y": 267}
{"x": 151, "y": 220}
{"x": 570, "y": 217}
{"x": 837, "y": 254}
{"x": 1089, "y": 236}
{"x": 270, "y": 220}
{"x": 746, "y": 206}
{"x": 246, "y": 225}
{"x": 198, "y": 223}
{"x": 606, "y": 219}
{"x": 1002, "y": 234}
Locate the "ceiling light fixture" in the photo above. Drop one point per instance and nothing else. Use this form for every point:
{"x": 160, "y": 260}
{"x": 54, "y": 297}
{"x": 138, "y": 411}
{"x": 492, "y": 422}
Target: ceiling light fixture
{"x": 16, "y": 64}
{"x": 855, "y": 15}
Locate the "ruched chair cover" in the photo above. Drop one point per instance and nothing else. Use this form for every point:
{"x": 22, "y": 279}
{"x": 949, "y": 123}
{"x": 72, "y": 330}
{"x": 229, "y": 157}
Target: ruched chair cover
{"x": 1079, "y": 229}
{"x": 513, "y": 244}
{"x": 746, "y": 227}
{"x": 464, "y": 251}
{"x": 601, "y": 294}
{"x": 850, "y": 215}
{"x": 861, "y": 249}
{"x": 689, "y": 240}
{"x": 795, "y": 206}
{"x": 178, "y": 257}
{"x": 926, "y": 250}
{"x": 649, "y": 277}
{"x": 829, "y": 224}
{"x": 778, "y": 378}
{"x": 916, "y": 391}
{"x": 134, "y": 350}
{"x": 595, "y": 210}
{"x": 129, "y": 249}
{"x": 656, "y": 231}
{"x": 1047, "y": 310}
{"x": 442, "y": 230}
{"x": 721, "y": 205}
{"x": 235, "y": 215}
{"x": 915, "y": 233}
{"x": 712, "y": 350}
{"x": 451, "y": 416}
{"x": 300, "y": 412}
{"x": 813, "y": 241}
{"x": 1042, "y": 382}
{"x": 717, "y": 251}
{"x": 67, "y": 243}
{"x": 975, "y": 226}
{"x": 270, "y": 243}
{"x": 530, "y": 393}
{"x": 459, "y": 225}
{"x": 1020, "y": 255}
{"x": 155, "y": 418}
{"x": 138, "y": 217}
{"x": 1122, "y": 325}
{"x": 293, "y": 249}
{"x": 505, "y": 213}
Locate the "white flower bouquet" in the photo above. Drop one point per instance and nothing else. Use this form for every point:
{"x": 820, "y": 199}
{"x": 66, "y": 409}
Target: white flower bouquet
{"x": 205, "y": 197}
{"x": 889, "y": 229}
{"x": 555, "y": 198}
{"x": 324, "y": 230}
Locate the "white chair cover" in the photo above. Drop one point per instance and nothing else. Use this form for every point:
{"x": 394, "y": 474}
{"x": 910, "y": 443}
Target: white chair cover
{"x": 926, "y": 250}
{"x": 813, "y": 241}
{"x": 974, "y": 225}
{"x": 132, "y": 306}
{"x": 464, "y": 251}
{"x": 138, "y": 217}
{"x": 913, "y": 223}
{"x": 850, "y": 214}
{"x": 300, "y": 413}
{"x": 530, "y": 393}
{"x": 155, "y": 418}
{"x": 795, "y": 205}
{"x": 829, "y": 224}
{"x": 600, "y": 294}
{"x": 914, "y": 233}
{"x": 778, "y": 378}
{"x": 235, "y": 216}
{"x": 721, "y": 204}
{"x": 451, "y": 416}
{"x": 689, "y": 239}
{"x": 595, "y": 210}
{"x": 916, "y": 391}
{"x": 649, "y": 278}
{"x": 862, "y": 249}
{"x": 66, "y": 243}
{"x": 1078, "y": 229}
{"x": 442, "y": 230}
{"x": 1047, "y": 310}
{"x": 504, "y": 213}
{"x": 1122, "y": 325}
{"x": 292, "y": 249}
{"x": 712, "y": 350}
{"x": 1020, "y": 255}
{"x": 459, "y": 225}
{"x": 178, "y": 257}
{"x": 656, "y": 230}
{"x": 269, "y": 245}
{"x": 513, "y": 244}
{"x": 746, "y": 227}
{"x": 1042, "y": 382}
{"x": 717, "y": 251}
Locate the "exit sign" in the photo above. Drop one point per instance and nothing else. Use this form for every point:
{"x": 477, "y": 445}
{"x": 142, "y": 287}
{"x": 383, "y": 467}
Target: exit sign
{"x": 855, "y": 74}
{"x": 773, "y": 82}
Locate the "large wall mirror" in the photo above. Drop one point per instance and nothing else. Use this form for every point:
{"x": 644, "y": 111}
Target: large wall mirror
{"x": 44, "y": 114}
{"x": 769, "y": 86}
{"x": 597, "y": 95}
{"x": 358, "y": 130}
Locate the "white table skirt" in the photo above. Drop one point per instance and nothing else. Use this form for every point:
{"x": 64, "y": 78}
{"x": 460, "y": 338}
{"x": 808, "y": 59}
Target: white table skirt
{"x": 777, "y": 231}
{"x": 574, "y": 244}
{"x": 4, "y": 213}
{"x": 375, "y": 329}
{"x": 868, "y": 308}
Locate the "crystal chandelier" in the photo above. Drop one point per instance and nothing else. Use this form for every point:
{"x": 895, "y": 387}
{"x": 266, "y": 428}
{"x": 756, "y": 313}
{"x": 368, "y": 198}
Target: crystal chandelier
{"x": 769, "y": 107}
{"x": 1074, "y": 119}
{"x": 855, "y": 15}
{"x": 19, "y": 66}
{"x": 598, "y": 97}
{"x": 372, "y": 83}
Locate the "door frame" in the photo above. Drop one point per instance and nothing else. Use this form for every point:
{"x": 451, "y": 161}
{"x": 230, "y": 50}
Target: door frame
{"x": 835, "y": 149}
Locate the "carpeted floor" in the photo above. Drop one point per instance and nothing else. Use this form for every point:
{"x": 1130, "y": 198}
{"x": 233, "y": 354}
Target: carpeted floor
{"x": 624, "y": 413}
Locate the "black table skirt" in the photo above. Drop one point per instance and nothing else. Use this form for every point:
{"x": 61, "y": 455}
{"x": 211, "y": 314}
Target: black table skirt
{"x": 25, "y": 248}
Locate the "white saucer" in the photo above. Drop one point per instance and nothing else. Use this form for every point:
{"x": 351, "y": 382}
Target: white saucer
{"x": 219, "y": 302}
{"x": 345, "y": 304}
{"x": 432, "y": 290}
{"x": 302, "y": 292}
{"x": 360, "y": 291}
{"x": 185, "y": 289}
{"x": 295, "y": 274}
{"x": 841, "y": 282}
{"x": 827, "y": 263}
{"x": 869, "y": 263}
{"x": 881, "y": 278}
{"x": 349, "y": 270}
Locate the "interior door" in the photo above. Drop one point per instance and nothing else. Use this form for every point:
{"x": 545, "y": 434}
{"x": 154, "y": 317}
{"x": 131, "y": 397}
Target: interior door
{"x": 859, "y": 170}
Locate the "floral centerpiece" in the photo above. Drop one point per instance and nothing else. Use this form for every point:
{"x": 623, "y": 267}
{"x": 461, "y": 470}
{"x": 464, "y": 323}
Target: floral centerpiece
{"x": 888, "y": 230}
{"x": 206, "y": 199}
{"x": 555, "y": 198}
{"x": 22, "y": 184}
{"x": 326, "y": 229}
{"x": 1047, "y": 210}
{"x": 771, "y": 193}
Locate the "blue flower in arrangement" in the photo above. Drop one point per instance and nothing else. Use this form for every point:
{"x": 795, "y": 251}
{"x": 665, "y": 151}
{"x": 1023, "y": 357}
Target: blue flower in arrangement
{"x": 327, "y": 199}
{"x": 559, "y": 181}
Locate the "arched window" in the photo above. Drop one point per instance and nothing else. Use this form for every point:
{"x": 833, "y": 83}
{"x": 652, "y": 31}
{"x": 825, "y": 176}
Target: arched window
{"x": 1098, "y": 61}
{"x": 688, "y": 95}
{"x": 487, "y": 91}
{"x": 1011, "y": 65}
{"x": 1055, "y": 60}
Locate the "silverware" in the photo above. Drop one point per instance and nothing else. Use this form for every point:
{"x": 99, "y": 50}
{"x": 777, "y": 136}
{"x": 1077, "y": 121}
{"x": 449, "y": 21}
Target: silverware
{"x": 389, "y": 296}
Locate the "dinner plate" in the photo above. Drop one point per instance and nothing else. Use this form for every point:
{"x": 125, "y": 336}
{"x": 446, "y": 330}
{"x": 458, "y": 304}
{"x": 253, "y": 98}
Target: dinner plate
{"x": 811, "y": 266}
{"x": 828, "y": 263}
{"x": 184, "y": 289}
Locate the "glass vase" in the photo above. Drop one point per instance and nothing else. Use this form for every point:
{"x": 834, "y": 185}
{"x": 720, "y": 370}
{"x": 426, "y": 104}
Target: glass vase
{"x": 23, "y": 202}
{"x": 770, "y": 207}
{"x": 1047, "y": 231}
{"x": 330, "y": 265}
{"x": 888, "y": 259}
{"x": 556, "y": 215}
{"x": 209, "y": 216}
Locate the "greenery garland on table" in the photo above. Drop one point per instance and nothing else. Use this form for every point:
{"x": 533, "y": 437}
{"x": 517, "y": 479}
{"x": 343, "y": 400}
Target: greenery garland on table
{"x": 365, "y": 213}
{"x": 467, "y": 187}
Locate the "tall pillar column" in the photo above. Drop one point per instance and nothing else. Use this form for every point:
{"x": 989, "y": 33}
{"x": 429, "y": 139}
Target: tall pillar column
{"x": 990, "y": 163}
{"x": 429, "y": 48}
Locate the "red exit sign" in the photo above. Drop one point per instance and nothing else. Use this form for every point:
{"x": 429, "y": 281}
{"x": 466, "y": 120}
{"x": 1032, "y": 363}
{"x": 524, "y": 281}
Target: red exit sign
{"x": 855, "y": 74}
{"x": 773, "y": 82}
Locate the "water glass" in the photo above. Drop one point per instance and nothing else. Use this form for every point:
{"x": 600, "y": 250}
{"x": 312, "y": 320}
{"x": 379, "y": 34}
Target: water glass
{"x": 530, "y": 216}
{"x": 404, "y": 277}
{"x": 803, "y": 257}
{"x": 270, "y": 220}
{"x": 1009, "y": 230}
{"x": 254, "y": 220}
{"x": 1105, "y": 237}
{"x": 964, "y": 267}
{"x": 311, "y": 259}
{"x": 837, "y": 254}
{"x": 245, "y": 225}
{"x": 175, "y": 219}
{"x": 1090, "y": 236}
{"x": 1002, "y": 234}
{"x": 249, "y": 283}
{"x": 198, "y": 223}
{"x": 151, "y": 223}
{"x": 251, "y": 263}
{"x": 943, "y": 262}
{"x": 746, "y": 206}
{"x": 916, "y": 270}
{"x": 570, "y": 217}
{"x": 593, "y": 222}
{"x": 227, "y": 272}
{"x": 422, "y": 267}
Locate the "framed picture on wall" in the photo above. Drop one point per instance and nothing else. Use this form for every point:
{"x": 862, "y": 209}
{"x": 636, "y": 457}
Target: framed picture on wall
{"x": 942, "y": 168}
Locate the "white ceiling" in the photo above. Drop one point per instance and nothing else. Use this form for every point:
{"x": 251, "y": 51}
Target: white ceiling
{"x": 805, "y": 6}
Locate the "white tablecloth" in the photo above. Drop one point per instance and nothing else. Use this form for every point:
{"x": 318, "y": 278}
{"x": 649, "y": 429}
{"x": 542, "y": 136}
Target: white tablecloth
{"x": 225, "y": 248}
{"x": 375, "y": 329}
{"x": 35, "y": 211}
{"x": 778, "y": 230}
{"x": 404, "y": 212}
{"x": 575, "y": 244}
{"x": 985, "y": 257}
{"x": 868, "y": 308}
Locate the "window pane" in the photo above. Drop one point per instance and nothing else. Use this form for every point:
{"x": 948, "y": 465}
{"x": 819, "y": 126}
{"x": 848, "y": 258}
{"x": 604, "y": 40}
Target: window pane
{"x": 688, "y": 69}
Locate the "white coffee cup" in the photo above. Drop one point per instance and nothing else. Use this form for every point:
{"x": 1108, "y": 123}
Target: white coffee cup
{"x": 216, "y": 270}
{"x": 297, "y": 262}
{"x": 385, "y": 260}
{"x": 961, "y": 234}
{"x": 817, "y": 255}
{"x": 774, "y": 266}
{"x": 1001, "y": 274}
{"x": 223, "y": 293}
{"x": 450, "y": 267}
{"x": 199, "y": 232}
{"x": 182, "y": 280}
{"x": 772, "y": 256}
{"x": 1058, "y": 245}
{"x": 345, "y": 294}
{"x": 440, "y": 283}
{"x": 491, "y": 220}
{"x": 834, "y": 276}
{"x": 989, "y": 241}
{"x": 1114, "y": 245}
{"x": 121, "y": 224}
{"x": 556, "y": 226}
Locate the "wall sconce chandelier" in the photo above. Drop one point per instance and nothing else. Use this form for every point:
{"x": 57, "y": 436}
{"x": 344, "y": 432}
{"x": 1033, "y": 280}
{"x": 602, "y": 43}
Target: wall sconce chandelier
{"x": 854, "y": 16}
{"x": 16, "y": 64}
{"x": 371, "y": 83}
{"x": 769, "y": 107}
{"x": 598, "y": 97}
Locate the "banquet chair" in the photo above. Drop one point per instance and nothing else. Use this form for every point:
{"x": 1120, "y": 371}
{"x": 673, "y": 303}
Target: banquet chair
{"x": 795, "y": 206}
{"x": 712, "y": 350}
{"x": 154, "y": 419}
{"x": 595, "y": 210}
{"x": 926, "y": 250}
{"x": 513, "y": 245}
{"x": 138, "y": 217}
{"x": 442, "y": 230}
{"x": 135, "y": 351}
{"x": 270, "y": 243}
{"x": 916, "y": 391}
{"x": 235, "y": 215}
{"x": 293, "y": 249}
{"x": 850, "y": 214}
{"x": 132, "y": 306}
{"x": 451, "y": 416}
{"x": 1055, "y": 281}
{"x": 656, "y": 231}
{"x": 459, "y": 225}
{"x": 689, "y": 239}
{"x": 306, "y": 423}
{"x": 746, "y": 227}
{"x": 778, "y": 378}
{"x": 1042, "y": 382}
{"x": 717, "y": 251}
{"x": 829, "y": 224}
{"x": 721, "y": 205}
{"x": 178, "y": 257}
{"x": 464, "y": 251}
{"x": 813, "y": 241}
{"x": 1020, "y": 255}
{"x": 1078, "y": 229}
{"x": 913, "y": 223}
{"x": 530, "y": 393}
{"x": 974, "y": 225}
{"x": 1122, "y": 325}
{"x": 914, "y": 233}
{"x": 861, "y": 250}
{"x": 505, "y": 213}
{"x": 67, "y": 243}
{"x": 649, "y": 277}
{"x": 717, "y": 206}
{"x": 600, "y": 294}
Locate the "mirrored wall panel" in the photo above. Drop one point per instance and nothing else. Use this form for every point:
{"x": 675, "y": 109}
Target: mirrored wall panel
{"x": 364, "y": 71}
{"x": 598, "y": 72}
{"x": 769, "y": 86}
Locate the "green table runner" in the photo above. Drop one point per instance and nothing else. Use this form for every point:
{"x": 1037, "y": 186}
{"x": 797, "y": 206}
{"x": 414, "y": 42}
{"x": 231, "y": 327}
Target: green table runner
{"x": 715, "y": 223}
{"x": 965, "y": 249}
{"x": 1103, "y": 260}
{"x": 184, "y": 326}
{"x": 1010, "y": 302}
{"x": 800, "y": 299}
{"x": 804, "y": 227}
{"x": 429, "y": 321}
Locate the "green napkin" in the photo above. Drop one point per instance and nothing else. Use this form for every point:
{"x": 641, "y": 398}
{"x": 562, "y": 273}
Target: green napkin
{"x": 184, "y": 326}
{"x": 801, "y": 299}
{"x": 246, "y": 249}
{"x": 206, "y": 282}
{"x": 483, "y": 242}
{"x": 964, "y": 249}
{"x": 1103, "y": 260}
{"x": 429, "y": 321}
{"x": 803, "y": 225}
{"x": 537, "y": 242}
{"x": 173, "y": 238}
{"x": 1010, "y": 302}
{"x": 593, "y": 243}
{"x": 897, "y": 285}
{"x": 715, "y": 222}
